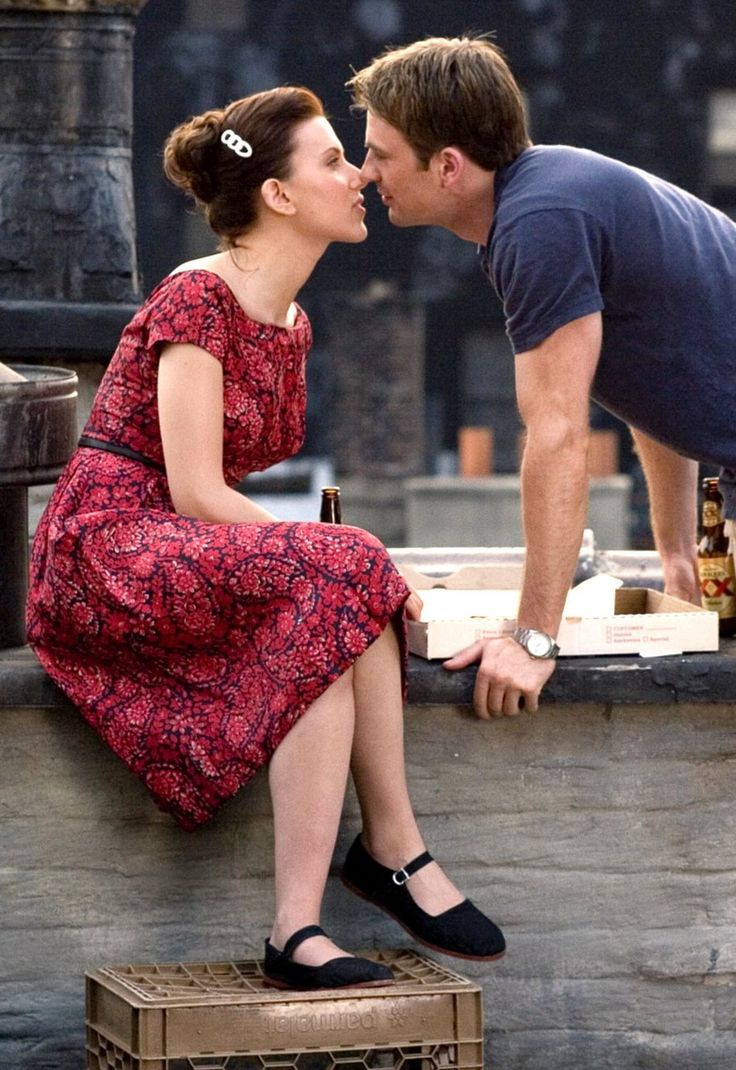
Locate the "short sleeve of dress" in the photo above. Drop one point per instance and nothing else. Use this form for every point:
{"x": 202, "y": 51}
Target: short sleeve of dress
{"x": 188, "y": 307}
{"x": 547, "y": 268}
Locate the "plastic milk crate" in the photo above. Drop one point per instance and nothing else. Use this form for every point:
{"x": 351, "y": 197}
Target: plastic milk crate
{"x": 220, "y": 1016}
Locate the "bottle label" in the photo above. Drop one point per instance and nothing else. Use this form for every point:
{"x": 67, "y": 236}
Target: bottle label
{"x": 718, "y": 585}
{"x": 711, "y": 514}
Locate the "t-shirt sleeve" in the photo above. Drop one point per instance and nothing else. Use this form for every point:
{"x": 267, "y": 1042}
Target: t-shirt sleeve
{"x": 189, "y": 308}
{"x": 547, "y": 268}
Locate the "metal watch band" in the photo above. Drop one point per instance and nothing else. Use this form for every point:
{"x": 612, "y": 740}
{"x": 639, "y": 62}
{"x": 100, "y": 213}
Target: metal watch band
{"x": 524, "y": 635}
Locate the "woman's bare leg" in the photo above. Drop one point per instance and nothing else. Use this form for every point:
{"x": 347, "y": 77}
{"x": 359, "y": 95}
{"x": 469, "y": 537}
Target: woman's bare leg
{"x": 307, "y": 776}
{"x": 390, "y": 831}
{"x": 358, "y": 722}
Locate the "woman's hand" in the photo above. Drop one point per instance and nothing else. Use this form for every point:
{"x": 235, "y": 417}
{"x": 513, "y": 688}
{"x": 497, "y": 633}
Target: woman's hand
{"x": 413, "y": 605}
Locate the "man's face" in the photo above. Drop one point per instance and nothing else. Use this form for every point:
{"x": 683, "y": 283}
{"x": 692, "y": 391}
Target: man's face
{"x": 409, "y": 192}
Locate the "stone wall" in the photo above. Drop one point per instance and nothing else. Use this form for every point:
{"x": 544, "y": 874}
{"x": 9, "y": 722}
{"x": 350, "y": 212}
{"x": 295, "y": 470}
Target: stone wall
{"x": 600, "y": 837}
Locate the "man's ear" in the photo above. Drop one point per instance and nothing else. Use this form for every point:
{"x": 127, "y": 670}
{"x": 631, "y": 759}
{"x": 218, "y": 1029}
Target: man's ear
{"x": 276, "y": 197}
{"x": 450, "y": 166}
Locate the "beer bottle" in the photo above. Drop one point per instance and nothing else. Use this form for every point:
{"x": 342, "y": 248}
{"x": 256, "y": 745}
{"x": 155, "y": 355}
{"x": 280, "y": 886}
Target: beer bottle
{"x": 715, "y": 563}
{"x": 329, "y": 512}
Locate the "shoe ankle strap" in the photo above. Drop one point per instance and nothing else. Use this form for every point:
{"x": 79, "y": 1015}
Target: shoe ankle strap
{"x": 299, "y": 937}
{"x": 401, "y": 876}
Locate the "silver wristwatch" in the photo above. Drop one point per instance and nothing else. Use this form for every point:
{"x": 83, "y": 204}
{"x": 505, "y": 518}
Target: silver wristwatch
{"x": 537, "y": 644}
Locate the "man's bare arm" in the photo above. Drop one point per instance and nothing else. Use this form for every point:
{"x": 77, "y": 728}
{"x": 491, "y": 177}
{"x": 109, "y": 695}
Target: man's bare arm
{"x": 553, "y": 384}
{"x": 672, "y": 481}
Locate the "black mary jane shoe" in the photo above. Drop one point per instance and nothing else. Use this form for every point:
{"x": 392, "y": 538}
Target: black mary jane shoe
{"x": 346, "y": 971}
{"x": 462, "y": 931}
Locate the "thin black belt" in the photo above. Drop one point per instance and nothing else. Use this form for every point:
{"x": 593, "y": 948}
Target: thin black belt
{"x": 124, "y": 451}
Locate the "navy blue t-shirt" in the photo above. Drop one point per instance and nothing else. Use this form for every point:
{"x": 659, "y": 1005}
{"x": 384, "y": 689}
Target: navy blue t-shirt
{"x": 575, "y": 232}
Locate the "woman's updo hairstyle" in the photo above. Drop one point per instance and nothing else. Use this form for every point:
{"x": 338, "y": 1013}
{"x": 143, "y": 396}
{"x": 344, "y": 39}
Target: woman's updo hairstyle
{"x": 226, "y": 185}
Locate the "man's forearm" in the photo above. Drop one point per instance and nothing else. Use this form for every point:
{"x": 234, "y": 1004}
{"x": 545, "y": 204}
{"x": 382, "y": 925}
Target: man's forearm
{"x": 672, "y": 482}
{"x": 554, "y": 506}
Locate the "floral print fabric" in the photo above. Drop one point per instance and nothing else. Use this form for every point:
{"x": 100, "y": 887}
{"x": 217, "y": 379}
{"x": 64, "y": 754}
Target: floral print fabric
{"x": 192, "y": 647}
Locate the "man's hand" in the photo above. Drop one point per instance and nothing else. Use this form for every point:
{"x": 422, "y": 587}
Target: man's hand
{"x": 508, "y": 679}
{"x": 681, "y": 577}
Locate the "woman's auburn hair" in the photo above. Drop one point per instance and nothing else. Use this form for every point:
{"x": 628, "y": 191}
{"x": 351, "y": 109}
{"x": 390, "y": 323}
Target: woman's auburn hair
{"x": 226, "y": 186}
{"x": 447, "y": 91}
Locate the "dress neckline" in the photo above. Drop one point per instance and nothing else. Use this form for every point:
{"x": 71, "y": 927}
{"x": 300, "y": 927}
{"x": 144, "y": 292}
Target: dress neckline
{"x": 300, "y": 313}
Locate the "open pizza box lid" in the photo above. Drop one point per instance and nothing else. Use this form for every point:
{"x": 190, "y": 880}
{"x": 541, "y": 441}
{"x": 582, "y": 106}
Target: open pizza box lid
{"x": 601, "y": 616}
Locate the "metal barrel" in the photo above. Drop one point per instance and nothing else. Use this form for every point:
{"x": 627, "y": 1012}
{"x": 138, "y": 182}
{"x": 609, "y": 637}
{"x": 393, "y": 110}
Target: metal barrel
{"x": 38, "y": 432}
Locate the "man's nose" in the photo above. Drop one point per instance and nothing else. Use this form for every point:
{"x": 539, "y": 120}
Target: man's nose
{"x": 369, "y": 171}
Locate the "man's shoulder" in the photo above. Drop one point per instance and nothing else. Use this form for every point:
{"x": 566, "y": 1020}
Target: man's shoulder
{"x": 560, "y": 176}
{"x": 564, "y": 157}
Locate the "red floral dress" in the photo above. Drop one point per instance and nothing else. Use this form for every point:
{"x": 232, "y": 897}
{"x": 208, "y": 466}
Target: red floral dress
{"x": 193, "y": 647}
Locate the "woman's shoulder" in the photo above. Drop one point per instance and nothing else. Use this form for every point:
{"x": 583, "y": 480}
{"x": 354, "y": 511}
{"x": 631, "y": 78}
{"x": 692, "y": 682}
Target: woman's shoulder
{"x": 189, "y": 306}
{"x": 189, "y": 279}
{"x": 199, "y": 263}
{"x": 195, "y": 293}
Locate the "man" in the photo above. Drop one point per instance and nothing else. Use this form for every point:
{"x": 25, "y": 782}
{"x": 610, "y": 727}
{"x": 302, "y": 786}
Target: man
{"x": 615, "y": 284}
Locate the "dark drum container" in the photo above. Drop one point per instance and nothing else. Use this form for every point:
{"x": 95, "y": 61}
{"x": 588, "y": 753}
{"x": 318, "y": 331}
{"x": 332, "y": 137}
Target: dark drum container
{"x": 38, "y": 433}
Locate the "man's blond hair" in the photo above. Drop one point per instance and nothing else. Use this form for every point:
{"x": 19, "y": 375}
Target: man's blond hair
{"x": 447, "y": 91}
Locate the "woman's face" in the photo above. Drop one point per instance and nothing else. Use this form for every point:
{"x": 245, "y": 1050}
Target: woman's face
{"x": 323, "y": 187}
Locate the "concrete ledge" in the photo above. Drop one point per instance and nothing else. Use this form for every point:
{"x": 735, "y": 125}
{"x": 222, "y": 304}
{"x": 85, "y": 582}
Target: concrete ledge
{"x": 625, "y": 679}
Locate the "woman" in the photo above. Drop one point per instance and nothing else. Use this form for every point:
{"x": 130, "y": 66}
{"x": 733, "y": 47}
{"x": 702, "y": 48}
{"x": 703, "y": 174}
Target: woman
{"x": 197, "y": 634}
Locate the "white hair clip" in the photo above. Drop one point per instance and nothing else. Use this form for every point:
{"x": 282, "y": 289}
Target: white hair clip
{"x": 235, "y": 142}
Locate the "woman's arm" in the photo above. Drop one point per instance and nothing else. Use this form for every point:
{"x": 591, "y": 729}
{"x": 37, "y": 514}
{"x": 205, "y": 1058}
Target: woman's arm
{"x": 190, "y": 406}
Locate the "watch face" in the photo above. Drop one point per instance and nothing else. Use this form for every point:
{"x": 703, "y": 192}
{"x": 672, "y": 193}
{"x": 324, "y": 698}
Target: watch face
{"x": 538, "y": 644}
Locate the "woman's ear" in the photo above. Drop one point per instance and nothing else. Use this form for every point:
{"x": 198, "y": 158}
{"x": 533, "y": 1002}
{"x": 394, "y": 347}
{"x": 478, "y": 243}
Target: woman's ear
{"x": 276, "y": 197}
